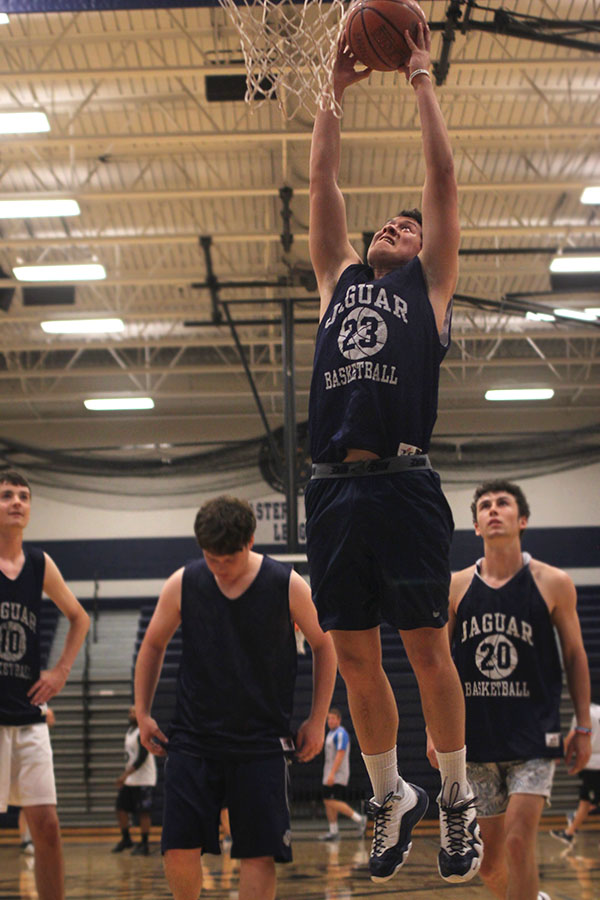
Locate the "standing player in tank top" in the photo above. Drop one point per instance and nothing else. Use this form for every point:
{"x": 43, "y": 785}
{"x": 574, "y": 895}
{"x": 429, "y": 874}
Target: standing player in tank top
{"x": 26, "y": 769}
{"x": 378, "y": 525}
{"x": 230, "y": 733}
{"x": 503, "y": 614}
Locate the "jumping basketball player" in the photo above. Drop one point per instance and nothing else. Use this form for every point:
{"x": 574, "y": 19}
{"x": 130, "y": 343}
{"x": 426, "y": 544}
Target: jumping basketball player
{"x": 503, "y": 612}
{"x": 26, "y": 771}
{"x": 378, "y": 525}
{"x": 235, "y": 690}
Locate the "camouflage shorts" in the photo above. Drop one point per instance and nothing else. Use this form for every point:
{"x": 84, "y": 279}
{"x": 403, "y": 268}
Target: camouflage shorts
{"x": 493, "y": 783}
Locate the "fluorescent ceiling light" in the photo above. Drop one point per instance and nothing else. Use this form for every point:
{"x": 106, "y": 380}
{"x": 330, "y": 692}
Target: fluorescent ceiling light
{"x": 23, "y": 123}
{"x": 71, "y": 272}
{"x": 520, "y": 394}
{"x": 575, "y": 264}
{"x": 591, "y": 195}
{"x": 593, "y": 311}
{"x": 82, "y": 326}
{"x": 107, "y": 403}
{"x": 4, "y": 19}
{"x": 33, "y": 209}
{"x": 540, "y": 317}
{"x": 580, "y": 314}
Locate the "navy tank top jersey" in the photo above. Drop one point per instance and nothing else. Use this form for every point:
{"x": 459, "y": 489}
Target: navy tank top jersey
{"x": 235, "y": 686}
{"x": 20, "y": 602}
{"x": 376, "y": 366}
{"x": 507, "y": 658}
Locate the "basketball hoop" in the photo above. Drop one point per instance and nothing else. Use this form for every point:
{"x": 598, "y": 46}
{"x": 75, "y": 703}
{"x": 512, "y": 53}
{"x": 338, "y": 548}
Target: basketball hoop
{"x": 289, "y": 51}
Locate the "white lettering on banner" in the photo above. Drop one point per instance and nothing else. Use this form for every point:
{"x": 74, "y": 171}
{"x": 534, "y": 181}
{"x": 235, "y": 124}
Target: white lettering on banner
{"x": 271, "y": 522}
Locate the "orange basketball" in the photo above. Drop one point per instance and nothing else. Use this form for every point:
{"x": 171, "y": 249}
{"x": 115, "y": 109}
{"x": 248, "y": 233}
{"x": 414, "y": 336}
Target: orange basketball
{"x": 375, "y": 31}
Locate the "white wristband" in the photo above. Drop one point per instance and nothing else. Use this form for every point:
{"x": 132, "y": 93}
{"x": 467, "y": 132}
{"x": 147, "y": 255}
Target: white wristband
{"x": 418, "y": 72}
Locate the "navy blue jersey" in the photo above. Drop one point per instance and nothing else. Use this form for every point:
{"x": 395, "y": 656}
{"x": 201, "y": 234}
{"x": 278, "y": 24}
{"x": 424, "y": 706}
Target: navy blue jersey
{"x": 507, "y": 659}
{"x": 235, "y": 685}
{"x": 376, "y": 367}
{"x": 20, "y": 602}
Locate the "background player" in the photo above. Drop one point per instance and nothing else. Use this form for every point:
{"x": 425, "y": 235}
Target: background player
{"x": 336, "y": 775}
{"x": 136, "y": 788}
{"x": 26, "y": 771}
{"x": 503, "y": 611}
{"x": 378, "y": 525}
{"x": 235, "y": 690}
{"x": 589, "y": 791}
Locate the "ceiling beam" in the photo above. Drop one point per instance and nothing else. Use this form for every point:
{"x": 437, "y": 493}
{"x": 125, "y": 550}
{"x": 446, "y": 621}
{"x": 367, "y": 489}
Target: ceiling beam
{"x": 221, "y": 338}
{"x": 226, "y": 369}
{"x": 151, "y": 240}
{"x": 571, "y": 133}
{"x": 18, "y": 77}
{"x": 454, "y": 390}
{"x": 187, "y": 194}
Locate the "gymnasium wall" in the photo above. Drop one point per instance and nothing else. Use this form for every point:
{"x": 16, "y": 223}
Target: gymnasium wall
{"x": 129, "y": 553}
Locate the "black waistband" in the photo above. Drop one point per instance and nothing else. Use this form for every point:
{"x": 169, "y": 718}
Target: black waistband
{"x": 370, "y": 466}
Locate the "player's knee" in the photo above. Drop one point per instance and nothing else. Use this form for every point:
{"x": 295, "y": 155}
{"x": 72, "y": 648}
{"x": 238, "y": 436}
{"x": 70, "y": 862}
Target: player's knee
{"x": 183, "y": 870}
{"x": 519, "y": 845}
{"x": 44, "y": 827}
{"x": 427, "y": 661}
{"x": 358, "y": 670}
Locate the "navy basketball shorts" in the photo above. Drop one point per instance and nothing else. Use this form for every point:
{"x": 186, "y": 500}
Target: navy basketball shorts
{"x": 334, "y": 792}
{"x": 590, "y": 786}
{"x": 135, "y": 798}
{"x": 255, "y": 791}
{"x": 378, "y": 550}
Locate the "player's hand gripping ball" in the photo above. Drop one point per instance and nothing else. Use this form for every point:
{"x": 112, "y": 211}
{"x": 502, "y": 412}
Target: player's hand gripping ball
{"x": 375, "y": 31}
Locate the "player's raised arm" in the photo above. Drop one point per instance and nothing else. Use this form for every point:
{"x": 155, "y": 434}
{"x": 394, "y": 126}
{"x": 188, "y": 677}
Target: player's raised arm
{"x": 161, "y": 628}
{"x": 441, "y": 229}
{"x": 330, "y": 249}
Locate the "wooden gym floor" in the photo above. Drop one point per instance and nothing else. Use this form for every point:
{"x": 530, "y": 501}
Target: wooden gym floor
{"x": 320, "y": 870}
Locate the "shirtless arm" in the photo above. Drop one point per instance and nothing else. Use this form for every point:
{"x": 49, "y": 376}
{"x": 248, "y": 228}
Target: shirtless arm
{"x": 51, "y": 681}
{"x": 559, "y": 591}
{"x": 311, "y": 733}
{"x": 330, "y": 249}
{"x": 161, "y": 628}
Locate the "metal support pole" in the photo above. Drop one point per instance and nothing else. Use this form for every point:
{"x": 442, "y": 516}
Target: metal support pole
{"x": 212, "y": 281}
{"x": 289, "y": 424}
{"x": 252, "y": 383}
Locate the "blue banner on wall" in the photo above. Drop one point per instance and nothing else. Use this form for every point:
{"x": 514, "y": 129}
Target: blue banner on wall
{"x": 124, "y": 558}
{"x": 37, "y": 6}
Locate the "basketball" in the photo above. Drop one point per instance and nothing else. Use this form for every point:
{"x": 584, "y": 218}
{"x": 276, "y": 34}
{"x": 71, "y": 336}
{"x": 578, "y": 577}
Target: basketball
{"x": 375, "y": 31}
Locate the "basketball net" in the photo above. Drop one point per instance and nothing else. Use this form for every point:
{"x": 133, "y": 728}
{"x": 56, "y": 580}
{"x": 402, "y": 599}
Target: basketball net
{"x": 289, "y": 51}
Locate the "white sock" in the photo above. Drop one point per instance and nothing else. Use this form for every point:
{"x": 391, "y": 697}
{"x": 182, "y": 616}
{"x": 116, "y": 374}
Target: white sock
{"x": 333, "y": 828}
{"x": 356, "y": 817}
{"x": 453, "y": 772}
{"x": 383, "y": 772}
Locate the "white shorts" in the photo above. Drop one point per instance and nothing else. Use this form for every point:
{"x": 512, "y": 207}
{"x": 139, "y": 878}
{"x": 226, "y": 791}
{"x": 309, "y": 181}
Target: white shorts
{"x": 26, "y": 771}
{"x": 493, "y": 783}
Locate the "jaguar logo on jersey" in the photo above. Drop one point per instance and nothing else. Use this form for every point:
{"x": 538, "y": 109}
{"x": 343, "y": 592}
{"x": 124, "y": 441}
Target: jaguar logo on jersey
{"x": 363, "y": 333}
{"x": 13, "y": 641}
{"x": 496, "y": 657}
